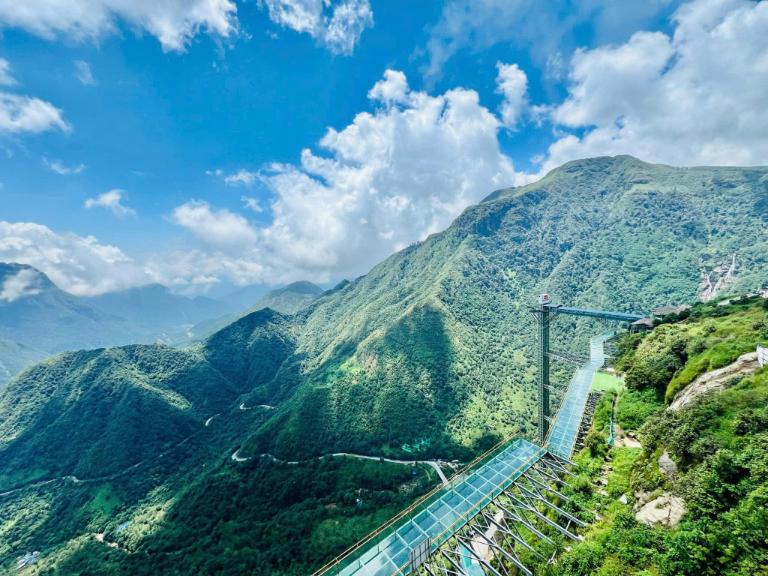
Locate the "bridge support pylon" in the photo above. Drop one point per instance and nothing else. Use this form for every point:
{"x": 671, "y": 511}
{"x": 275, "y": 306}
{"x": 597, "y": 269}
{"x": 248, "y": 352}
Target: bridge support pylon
{"x": 543, "y": 314}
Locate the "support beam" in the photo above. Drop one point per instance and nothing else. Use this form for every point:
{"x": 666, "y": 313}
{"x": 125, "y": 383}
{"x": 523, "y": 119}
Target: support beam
{"x": 543, "y": 314}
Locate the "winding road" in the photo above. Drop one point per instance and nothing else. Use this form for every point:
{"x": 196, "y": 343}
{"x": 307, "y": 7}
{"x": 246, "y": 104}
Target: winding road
{"x": 435, "y": 464}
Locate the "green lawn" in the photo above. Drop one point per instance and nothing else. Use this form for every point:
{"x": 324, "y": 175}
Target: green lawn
{"x": 603, "y": 381}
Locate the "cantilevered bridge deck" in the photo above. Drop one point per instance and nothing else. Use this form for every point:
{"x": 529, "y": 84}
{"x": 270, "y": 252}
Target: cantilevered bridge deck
{"x": 565, "y": 429}
{"x": 437, "y": 517}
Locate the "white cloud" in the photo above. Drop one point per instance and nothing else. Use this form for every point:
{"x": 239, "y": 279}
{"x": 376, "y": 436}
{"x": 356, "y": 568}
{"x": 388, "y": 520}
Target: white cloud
{"x": 24, "y": 283}
{"x": 62, "y": 169}
{"x": 512, "y": 83}
{"x": 173, "y": 22}
{"x": 392, "y": 89}
{"x": 6, "y": 78}
{"x": 77, "y": 264}
{"x": 390, "y": 178}
{"x": 20, "y": 114}
{"x": 337, "y": 24}
{"x": 218, "y": 228}
{"x": 24, "y": 114}
{"x": 112, "y": 201}
{"x": 241, "y": 177}
{"x": 697, "y": 97}
{"x": 83, "y": 73}
{"x": 251, "y": 204}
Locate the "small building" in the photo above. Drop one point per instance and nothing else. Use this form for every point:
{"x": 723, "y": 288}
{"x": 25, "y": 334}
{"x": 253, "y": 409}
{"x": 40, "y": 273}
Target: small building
{"x": 642, "y": 324}
{"x": 762, "y": 356}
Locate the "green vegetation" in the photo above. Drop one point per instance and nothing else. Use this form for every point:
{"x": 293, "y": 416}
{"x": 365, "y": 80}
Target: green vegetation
{"x": 606, "y": 382}
{"x": 720, "y": 445}
{"x": 433, "y": 344}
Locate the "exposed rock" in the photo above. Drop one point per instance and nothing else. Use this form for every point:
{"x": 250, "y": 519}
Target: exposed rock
{"x": 713, "y": 282}
{"x": 667, "y": 466}
{"x": 623, "y": 499}
{"x": 666, "y": 510}
{"x": 716, "y": 380}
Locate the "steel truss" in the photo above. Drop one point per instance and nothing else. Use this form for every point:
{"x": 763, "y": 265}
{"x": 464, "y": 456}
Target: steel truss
{"x": 528, "y": 510}
{"x": 586, "y": 421}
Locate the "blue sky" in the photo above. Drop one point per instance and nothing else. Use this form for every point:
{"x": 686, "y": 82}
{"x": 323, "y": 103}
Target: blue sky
{"x": 211, "y": 142}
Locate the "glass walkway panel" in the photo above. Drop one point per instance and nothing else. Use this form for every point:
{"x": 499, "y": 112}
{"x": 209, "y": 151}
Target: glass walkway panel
{"x": 565, "y": 429}
{"x": 436, "y": 517}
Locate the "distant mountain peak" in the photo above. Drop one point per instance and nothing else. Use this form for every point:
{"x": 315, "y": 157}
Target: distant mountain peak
{"x": 301, "y": 286}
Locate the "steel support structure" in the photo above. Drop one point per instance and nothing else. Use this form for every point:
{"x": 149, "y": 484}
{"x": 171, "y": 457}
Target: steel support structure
{"x": 544, "y": 313}
{"x": 529, "y": 510}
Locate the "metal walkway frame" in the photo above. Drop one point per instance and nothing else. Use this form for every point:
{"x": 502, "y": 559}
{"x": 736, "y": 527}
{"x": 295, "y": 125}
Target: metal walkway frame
{"x": 544, "y": 314}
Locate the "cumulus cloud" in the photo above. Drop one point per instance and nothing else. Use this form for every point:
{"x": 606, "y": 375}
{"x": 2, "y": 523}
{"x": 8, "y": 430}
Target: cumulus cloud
{"x": 390, "y": 178}
{"x": 218, "y": 228}
{"x": 392, "y": 89}
{"x": 696, "y": 97}
{"x": 23, "y": 284}
{"x": 62, "y": 169}
{"x": 173, "y": 22}
{"x": 112, "y": 200}
{"x": 78, "y": 264}
{"x": 83, "y": 73}
{"x": 337, "y": 24}
{"x": 512, "y": 84}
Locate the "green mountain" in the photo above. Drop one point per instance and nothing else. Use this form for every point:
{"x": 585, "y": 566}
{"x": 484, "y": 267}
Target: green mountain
{"x": 430, "y": 352}
{"x": 288, "y": 300}
{"x": 291, "y": 298}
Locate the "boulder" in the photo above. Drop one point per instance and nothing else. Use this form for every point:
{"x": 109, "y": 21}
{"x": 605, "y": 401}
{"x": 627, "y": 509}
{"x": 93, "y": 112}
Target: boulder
{"x": 666, "y": 510}
{"x": 667, "y": 466}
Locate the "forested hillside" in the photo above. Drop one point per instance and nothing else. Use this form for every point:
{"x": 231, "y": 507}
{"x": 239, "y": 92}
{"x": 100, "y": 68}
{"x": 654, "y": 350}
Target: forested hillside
{"x": 691, "y": 498}
{"x": 428, "y": 355}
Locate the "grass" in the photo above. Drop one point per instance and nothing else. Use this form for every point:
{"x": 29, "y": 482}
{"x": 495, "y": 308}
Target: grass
{"x": 635, "y": 406}
{"x": 606, "y": 382}
{"x": 619, "y": 478}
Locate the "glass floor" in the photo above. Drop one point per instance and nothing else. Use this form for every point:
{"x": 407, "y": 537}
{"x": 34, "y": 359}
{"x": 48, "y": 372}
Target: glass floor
{"x": 562, "y": 435}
